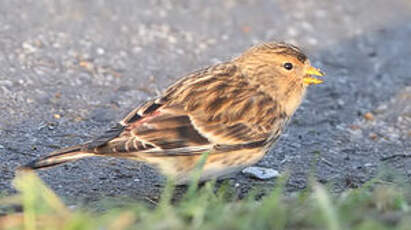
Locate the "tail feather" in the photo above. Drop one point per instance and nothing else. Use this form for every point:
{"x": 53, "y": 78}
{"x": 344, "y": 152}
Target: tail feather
{"x": 59, "y": 157}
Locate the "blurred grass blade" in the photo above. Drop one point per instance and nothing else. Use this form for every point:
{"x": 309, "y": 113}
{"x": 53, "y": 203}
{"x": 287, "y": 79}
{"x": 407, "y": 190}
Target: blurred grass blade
{"x": 29, "y": 184}
{"x": 13, "y": 221}
{"x": 196, "y": 174}
{"x": 25, "y": 183}
{"x": 272, "y": 206}
{"x": 37, "y": 198}
{"x": 167, "y": 193}
{"x": 326, "y": 207}
{"x": 123, "y": 221}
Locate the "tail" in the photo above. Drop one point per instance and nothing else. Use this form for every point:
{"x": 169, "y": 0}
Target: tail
{"x": 58, "y": 157}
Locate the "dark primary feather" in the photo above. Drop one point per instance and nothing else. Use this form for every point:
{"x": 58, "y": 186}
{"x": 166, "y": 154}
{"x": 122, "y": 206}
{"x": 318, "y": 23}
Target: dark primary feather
{"x": 58, "y": 157}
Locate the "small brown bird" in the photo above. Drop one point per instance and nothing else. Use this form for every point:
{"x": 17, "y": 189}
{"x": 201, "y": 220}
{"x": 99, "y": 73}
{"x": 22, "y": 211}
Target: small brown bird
{"x": 234, "y": 111}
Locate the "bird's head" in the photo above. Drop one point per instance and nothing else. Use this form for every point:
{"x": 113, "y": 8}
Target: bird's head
{"x": 281, "y": 60}
{"x": 281, "y": 70}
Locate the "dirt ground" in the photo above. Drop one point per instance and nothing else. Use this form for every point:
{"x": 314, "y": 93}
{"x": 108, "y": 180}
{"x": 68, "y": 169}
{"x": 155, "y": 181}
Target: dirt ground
{"x": 71, "y": 68}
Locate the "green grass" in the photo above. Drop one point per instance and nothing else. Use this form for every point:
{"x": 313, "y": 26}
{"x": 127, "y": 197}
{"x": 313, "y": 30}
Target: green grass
{"x": 376, "y": 205}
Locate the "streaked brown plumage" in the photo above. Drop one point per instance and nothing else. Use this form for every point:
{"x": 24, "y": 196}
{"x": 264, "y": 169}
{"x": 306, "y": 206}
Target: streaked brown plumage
{"x": 234, "y": 111}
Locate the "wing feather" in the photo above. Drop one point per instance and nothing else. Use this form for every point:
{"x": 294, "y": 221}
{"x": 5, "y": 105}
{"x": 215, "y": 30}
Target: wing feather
{"x": 211, "y": 109}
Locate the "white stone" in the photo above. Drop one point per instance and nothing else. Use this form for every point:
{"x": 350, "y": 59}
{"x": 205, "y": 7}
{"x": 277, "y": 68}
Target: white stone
{"x": 100, "y": 51}
{"x": 261, "y": 173}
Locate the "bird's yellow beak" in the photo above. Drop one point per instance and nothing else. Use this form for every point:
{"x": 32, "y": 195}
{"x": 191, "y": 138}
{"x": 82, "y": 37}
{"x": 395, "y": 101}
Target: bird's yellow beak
{"x": 308, "y": 79}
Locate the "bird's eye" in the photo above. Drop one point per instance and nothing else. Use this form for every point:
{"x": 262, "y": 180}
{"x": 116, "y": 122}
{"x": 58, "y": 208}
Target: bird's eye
{"x": 288, "y": 66}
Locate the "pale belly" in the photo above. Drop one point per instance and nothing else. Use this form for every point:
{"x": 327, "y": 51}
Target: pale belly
{"x": 180, "y": 168}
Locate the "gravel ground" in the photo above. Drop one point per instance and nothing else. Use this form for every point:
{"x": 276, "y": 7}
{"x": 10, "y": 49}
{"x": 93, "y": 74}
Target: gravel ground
{"x": 70, "y": 68}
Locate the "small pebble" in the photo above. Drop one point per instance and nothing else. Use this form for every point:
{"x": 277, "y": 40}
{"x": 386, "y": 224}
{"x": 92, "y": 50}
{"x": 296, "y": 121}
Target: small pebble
{"x": 312, "y": 41}
{"x": 100, "y": 51}
{"x": 293, "y": 32}
{"x": 261, "y": 173}
{"x": 137, "y": 49}
{"x": 29, "y": 47}
{"x": 72, "y": 207}
{"x": 246, "y": 29}
{"x": 87, "y": 65}
{"x": 307, "y": 26}
{"x": 51, "y": 125}
{"x": 369, "y": 116}
{"x": 354, "y": 127}
{"x": 373, "y": 136}
{"x": 172, "y": 39}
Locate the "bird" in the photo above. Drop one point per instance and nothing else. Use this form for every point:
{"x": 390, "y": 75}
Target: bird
{"x": 233, "y": 111}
